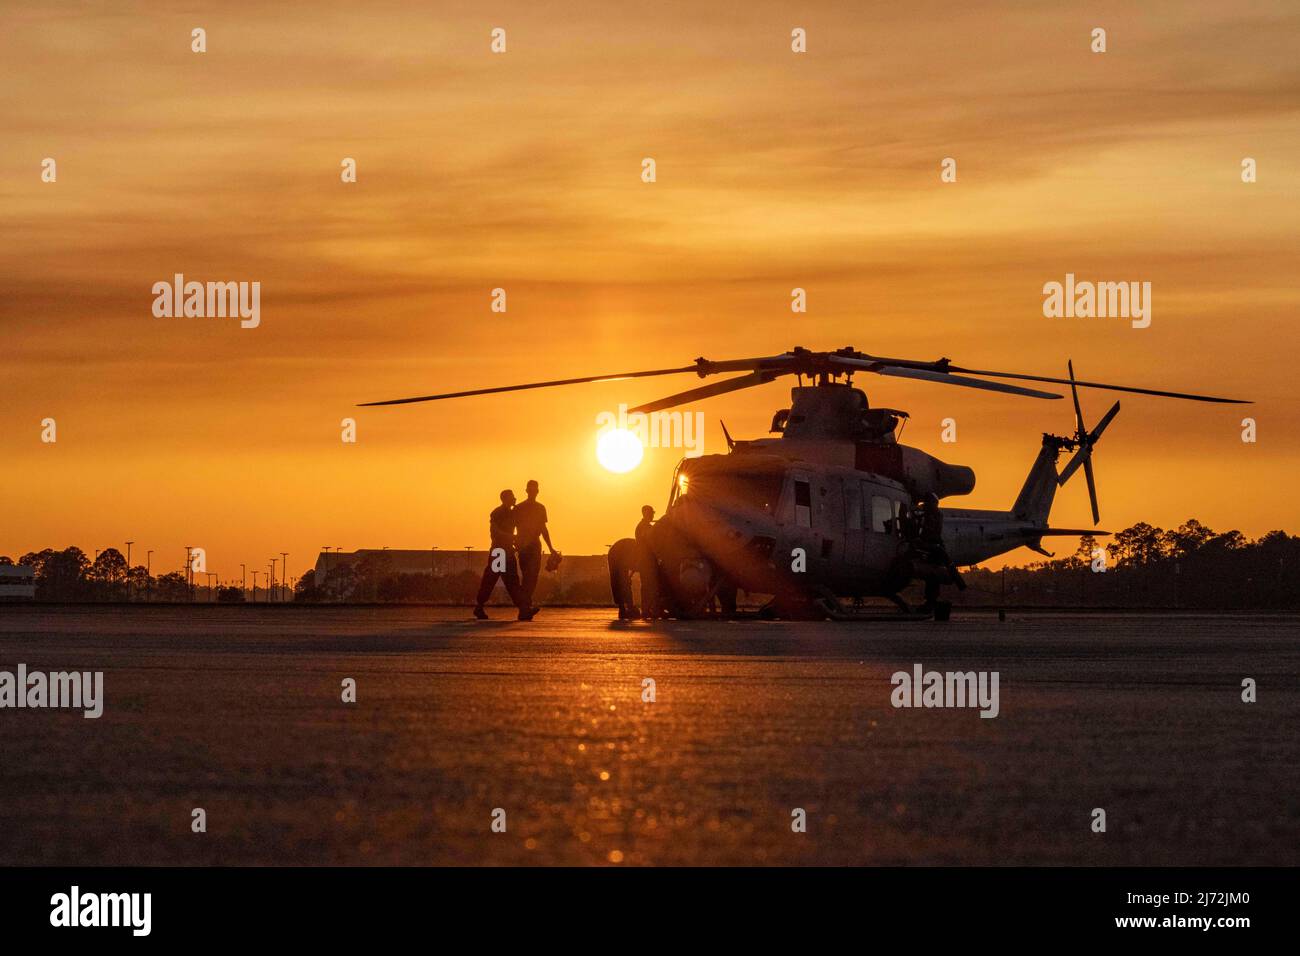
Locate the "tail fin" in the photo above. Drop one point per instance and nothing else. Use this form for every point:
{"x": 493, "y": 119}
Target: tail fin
{"x": 1034, "y": 502}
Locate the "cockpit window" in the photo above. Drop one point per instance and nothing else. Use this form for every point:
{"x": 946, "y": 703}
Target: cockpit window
{"x": 762, "y": 491}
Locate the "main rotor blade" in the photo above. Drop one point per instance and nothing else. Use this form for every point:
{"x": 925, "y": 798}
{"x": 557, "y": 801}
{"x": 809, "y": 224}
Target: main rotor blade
{"x": 944, "y": 378}
{"x": 813, "y": 363}
{"x": 1113, "y": 388}
{"x": 708, "y": 391}
{"x": 520, "y": 388}
{"x": 769, "y": 363}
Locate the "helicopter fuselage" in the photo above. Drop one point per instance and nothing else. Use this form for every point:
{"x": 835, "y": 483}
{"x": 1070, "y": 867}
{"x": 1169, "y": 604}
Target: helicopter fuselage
{"x": 826, "y": 509}
{"x": 772, "y": 525}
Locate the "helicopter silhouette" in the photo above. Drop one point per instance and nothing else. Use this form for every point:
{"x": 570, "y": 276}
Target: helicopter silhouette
{"x": 829, "y": 509}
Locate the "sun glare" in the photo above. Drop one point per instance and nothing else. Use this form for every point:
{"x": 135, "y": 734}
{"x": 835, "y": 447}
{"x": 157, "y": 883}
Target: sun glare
{"x": 618, "y": 450}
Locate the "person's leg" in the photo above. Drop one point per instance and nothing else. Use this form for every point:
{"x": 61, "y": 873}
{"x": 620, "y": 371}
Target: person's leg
{"x": 649, "y": 590}
{"x": 485, "y": 586}
{"x": 931, "y": 593}
{"x": 727, "y": 595}
{"x": 511, "y": 578}
{"x": 620, "y": 587}
{"x": 530, "y": 566}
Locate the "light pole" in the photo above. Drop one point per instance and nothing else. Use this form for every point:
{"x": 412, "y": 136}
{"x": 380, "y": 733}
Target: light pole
{"x": 270, "y": 588}
{"x": 128, "y": 569}
{"x": 243, "y": 580}
{"x": 189, "y": 570}
{"x": 148, "y": 575}
{"x": 256, "y": 572}
{"x": 284, "y": 565}
{"x": 212, "y": 592}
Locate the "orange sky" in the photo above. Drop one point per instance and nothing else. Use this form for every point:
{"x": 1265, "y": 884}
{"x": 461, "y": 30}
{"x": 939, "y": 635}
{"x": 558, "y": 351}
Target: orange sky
{"x": 522, "y": 171}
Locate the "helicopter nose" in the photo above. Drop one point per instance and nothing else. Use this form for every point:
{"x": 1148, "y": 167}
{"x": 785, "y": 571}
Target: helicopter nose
{"x": 718, "y": 524}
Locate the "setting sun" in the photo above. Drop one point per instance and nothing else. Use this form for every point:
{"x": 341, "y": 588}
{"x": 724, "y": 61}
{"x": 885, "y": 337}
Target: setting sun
{"x": 618, "y": 450}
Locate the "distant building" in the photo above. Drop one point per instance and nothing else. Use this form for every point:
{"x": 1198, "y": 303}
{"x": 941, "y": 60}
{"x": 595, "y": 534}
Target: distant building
{"x": 591, "y": 571}
{"x": 17, "y": 582}
{"x": 402, "y": 562}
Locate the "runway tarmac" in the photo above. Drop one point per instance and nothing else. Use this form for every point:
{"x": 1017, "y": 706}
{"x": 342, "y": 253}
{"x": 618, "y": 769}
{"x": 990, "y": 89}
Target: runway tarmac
{"x": 238, "y": 710}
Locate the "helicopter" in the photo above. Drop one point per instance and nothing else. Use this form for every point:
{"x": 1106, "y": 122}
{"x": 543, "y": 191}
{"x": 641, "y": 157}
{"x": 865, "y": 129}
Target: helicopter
{"x": 834, "y": 507}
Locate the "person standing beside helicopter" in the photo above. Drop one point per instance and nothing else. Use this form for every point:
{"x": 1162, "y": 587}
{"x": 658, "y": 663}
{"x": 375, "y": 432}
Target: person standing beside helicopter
{"x": 644, "y": 525}
{"x": 931, "y": 525}
{"x": 647, "y": 566}
{"x": 930, "y": 542}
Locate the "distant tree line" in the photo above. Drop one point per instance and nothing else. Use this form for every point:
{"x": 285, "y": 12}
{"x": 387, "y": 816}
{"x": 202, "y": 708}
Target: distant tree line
{"x": 1190, "y": 566}
{"x": 69, "y": 575}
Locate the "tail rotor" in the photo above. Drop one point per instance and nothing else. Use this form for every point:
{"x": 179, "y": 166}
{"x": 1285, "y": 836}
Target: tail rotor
{"x": 1084, "y": 441}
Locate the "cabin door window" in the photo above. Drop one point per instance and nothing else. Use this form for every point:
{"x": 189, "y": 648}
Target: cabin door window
{"x": 853, "y": 505}
{"x": 802, "y": 504}
{"x": 882, "y": 513}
